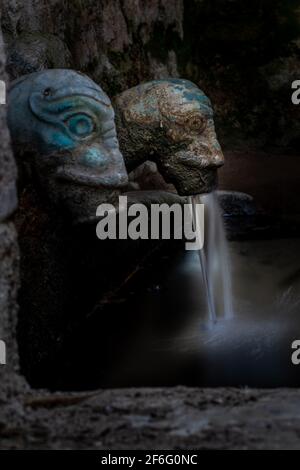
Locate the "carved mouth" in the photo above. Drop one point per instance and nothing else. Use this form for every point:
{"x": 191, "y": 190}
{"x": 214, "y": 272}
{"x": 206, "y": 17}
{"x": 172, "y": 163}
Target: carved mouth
{"x": 79, "y": 176}
{"x": 190, "y": 177}
{"x": 201, "y": 162}
{"x": 203, "y": 181}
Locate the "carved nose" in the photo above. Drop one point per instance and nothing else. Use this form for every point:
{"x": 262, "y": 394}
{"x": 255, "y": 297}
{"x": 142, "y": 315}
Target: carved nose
{"x": 109, "y": 167}
{"x": 217, "y": 154}
{"x": 218, "y": 159}
{"x": 94, "y": 158}
{"x": 205, "y": 155}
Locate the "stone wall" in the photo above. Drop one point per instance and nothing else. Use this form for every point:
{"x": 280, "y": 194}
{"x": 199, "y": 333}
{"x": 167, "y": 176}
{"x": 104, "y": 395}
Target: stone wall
{"x": 8, "y": 251}
{"x": 115, "y": 42}
{"x": 243, "y": 54}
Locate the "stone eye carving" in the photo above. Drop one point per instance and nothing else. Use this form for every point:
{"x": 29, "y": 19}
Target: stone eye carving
{"x": 62, "y": 127}
{"x": 170, "y": 122}
{"x": 197, "y": 123}
{"x": 80, "y": 125}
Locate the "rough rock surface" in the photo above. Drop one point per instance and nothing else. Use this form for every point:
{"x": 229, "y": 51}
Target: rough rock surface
{"x": 114, "y": 42}
{"x": 8, "y": 250}
{"x": 175, "y": 419}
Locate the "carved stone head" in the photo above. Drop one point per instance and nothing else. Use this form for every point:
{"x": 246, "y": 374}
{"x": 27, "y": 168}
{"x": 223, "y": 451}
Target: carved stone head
{"x": 63, "y": 132}
{"x": 170, "y": 122}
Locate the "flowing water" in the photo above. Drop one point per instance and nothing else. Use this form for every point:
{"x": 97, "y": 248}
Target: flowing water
{"x": 214, "y": 258}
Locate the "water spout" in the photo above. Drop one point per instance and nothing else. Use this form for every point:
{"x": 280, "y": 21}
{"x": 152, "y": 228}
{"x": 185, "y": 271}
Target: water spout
{"x": 214, "y": 259}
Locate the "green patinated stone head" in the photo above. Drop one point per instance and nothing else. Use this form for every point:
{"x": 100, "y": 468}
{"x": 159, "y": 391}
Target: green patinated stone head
{"x": 63, "y": 131}
{"x": 170, "y": 122}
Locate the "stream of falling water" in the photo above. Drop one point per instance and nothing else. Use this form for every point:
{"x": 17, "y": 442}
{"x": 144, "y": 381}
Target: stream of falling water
{"x": 214, "y": 258}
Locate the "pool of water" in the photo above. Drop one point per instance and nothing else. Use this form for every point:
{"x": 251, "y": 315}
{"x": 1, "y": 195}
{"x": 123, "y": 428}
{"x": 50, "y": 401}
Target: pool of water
{"x": 156, "y": 333}
{"x": 174, "y": 344}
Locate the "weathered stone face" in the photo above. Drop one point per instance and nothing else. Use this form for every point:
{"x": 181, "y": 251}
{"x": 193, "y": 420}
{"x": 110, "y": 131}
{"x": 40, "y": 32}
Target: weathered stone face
{"x": 170, "y": 122}
{"x": 63, "y": 132}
